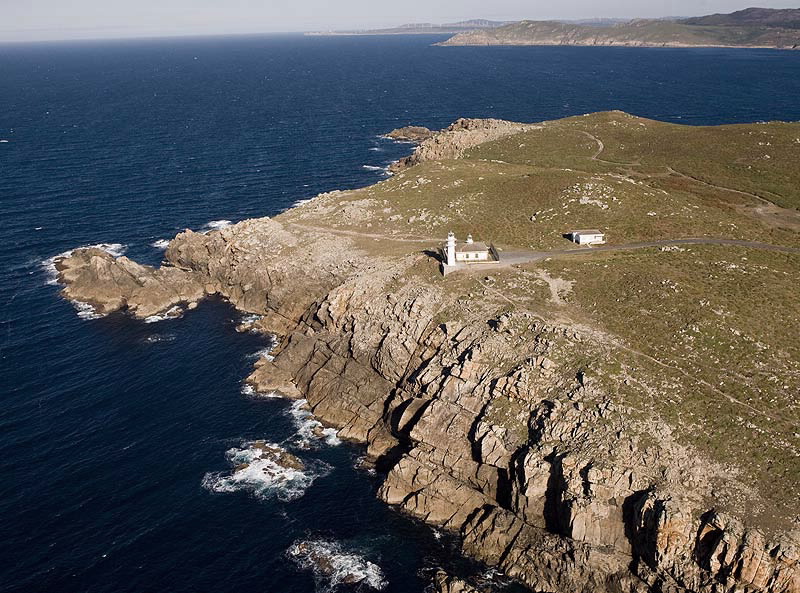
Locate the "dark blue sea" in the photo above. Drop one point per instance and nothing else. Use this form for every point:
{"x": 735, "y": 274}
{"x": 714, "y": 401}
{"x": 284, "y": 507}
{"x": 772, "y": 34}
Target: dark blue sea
{"x": 112, "y": 430}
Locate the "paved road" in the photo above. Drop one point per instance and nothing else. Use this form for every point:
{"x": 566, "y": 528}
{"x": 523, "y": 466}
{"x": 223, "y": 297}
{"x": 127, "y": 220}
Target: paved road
{"x": 515, "y": 257}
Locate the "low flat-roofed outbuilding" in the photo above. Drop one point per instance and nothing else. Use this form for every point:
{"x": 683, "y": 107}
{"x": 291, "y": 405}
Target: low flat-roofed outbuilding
{"x": 587, "y": 237}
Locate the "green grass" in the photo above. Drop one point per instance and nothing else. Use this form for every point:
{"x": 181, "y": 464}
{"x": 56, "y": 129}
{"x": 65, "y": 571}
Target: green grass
{"x": 722, "y": 322}
{"x": 703, "y": 339}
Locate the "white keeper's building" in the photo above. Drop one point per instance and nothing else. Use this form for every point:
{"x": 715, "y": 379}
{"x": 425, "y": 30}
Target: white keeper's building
{"x": 469, "y": 252}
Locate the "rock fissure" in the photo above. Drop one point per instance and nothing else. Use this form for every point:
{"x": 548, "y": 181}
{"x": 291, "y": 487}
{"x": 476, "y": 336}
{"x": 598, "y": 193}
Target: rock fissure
{"x": 495, "y": 425}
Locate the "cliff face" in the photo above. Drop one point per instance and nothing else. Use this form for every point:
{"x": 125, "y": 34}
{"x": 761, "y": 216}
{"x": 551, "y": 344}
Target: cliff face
{"x": 488, "y": 423}
{"x": 482, "y": 432}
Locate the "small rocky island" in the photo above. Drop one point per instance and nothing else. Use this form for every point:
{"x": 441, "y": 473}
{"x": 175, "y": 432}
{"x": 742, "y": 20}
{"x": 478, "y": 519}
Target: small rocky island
{"x": 591, "y": 421}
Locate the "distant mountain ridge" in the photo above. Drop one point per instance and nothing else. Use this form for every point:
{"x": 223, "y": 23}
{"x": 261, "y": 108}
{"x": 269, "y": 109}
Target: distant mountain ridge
{"x": 785, "y": 18}
{"x": 425, "y": 28}
{"x": 752, "y": 27}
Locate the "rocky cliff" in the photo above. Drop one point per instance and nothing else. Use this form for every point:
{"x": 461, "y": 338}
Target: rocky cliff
{"x": 454, "y": 140}
{"x": 489, "y": 421}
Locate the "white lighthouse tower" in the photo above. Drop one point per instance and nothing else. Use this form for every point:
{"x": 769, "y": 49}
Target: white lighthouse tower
{"x": 451, "y": 249}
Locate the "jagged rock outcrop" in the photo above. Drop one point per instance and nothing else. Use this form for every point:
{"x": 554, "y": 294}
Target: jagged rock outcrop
{"x": 445, "y": 583}
{"x": 458, "y": 137}
{"x": 108, "y": 284}
{"x": 551, "y": 494}
{"x": 483, "y": 421}
{"x": 415, "y": 134}
{"x": 255, "y": 264}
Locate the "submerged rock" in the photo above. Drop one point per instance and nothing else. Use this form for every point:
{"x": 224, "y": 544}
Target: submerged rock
{"x": 329, "y": 562}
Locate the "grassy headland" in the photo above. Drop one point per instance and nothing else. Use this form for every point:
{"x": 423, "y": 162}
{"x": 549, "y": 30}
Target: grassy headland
{"x": 699, "y": 339}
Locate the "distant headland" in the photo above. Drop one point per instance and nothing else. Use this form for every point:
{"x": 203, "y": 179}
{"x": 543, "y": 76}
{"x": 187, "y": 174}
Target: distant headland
{"x": 752, "y": 27}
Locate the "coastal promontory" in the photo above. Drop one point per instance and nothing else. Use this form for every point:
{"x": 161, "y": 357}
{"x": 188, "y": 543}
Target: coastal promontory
{"x": 620, "y": 418}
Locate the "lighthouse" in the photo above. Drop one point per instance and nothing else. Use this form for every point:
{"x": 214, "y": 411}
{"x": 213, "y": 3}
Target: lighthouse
{"x": 451, "y": 249}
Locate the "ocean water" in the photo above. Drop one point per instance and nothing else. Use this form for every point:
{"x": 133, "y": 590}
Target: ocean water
{"x": 118, "y": 438}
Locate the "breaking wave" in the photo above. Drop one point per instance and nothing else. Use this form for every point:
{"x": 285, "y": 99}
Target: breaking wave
{"x": 310, "y": 431}
{"x": 156, "y": 338}
{"x": 264, "y": 353}
{"x": 333, "y": 566}
{"x": 172, "y": 313}
{"x": 265, "y": 470}
{"x": 250, "y": 319}
{"x": 85, "y": 310}
{"x": 160, "y": 244}
{"x": 215, "y": 225}
{"x": 250, "y": 391}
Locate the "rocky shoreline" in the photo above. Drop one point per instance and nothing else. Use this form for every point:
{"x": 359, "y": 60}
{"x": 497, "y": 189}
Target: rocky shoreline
{"x": 482, "y": 422}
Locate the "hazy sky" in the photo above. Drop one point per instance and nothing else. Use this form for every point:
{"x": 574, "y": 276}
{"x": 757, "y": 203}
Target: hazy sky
{"x": 68, "y": 19}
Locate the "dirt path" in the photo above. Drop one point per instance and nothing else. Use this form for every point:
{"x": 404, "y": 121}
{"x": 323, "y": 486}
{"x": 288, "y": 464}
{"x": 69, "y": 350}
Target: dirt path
{"x": 688, "y": 375}
{"x": 768, "y": 212}
{"x": 600, "y": 148}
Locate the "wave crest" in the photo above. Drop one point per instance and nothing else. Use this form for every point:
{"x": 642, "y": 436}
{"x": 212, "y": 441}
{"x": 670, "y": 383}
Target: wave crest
{"x": 215, "y": 225}
{"x": 265, "y": 470}
{"x": 310, "y": 431}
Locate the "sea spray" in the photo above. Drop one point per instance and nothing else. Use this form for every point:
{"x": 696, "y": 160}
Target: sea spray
{"x": 265, "y": 470}
{"x": 310, "y": 431}
{"x": 333, "y": 566}
{"x": 49, "y": 264}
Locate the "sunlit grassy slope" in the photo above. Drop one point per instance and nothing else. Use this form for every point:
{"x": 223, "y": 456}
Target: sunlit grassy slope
{"x": 702, "y": 338}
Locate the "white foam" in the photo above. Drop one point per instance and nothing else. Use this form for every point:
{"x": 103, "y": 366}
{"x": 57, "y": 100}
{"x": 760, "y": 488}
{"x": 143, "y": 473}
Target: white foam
{"x": 361, "y": 464}
{"x": 156, "y": 338}
{"x": 49, "y": 264}
{"x": 266, "y": 351}
{"x": 160, "y": 244}
{"x": 373, "y": 168}
{"x": 250, "y": 319}
{"x": 250, "y": 391}
{"x": 376, "y": 149}
{"x": 310, "y": 431}
{"x": 3, "y": 141}
{"x": 333, "y": 566}
{"x": 85, "y": 310}
{"x": 172, "y": 313}
{"x": 215, "y": 225}
{"x": 258, "y": 473}
{"x": 301, "y": 202}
